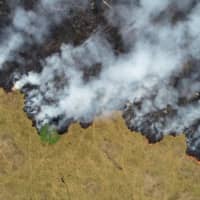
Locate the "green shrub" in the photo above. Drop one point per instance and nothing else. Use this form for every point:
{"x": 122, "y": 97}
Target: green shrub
{"x": 49, "y": 135}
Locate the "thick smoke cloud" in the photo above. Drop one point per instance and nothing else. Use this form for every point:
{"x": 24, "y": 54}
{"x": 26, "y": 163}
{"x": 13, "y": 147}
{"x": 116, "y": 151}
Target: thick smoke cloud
{"x": 155, "y": 81}
{"x": 33, "y": 26}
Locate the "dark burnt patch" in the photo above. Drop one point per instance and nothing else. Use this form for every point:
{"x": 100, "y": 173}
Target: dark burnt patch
{"x": 4, "y": 14}
{"x": 89, "y": 73}
{"x": 85, "y": 125}
{"x": 75, "y": 30}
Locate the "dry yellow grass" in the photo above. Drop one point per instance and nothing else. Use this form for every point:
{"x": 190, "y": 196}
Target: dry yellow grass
{"x": 104, "y": 162}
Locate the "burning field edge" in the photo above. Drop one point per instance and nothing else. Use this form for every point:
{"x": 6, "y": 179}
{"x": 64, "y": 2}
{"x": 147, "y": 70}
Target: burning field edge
{"x": 108, "y": 116}
{"x": 94, "y": 58}
{"x": 105, "y": 161}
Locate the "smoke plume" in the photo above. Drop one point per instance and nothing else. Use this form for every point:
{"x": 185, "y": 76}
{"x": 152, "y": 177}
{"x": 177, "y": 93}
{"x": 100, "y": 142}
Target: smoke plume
{"x": 148, "y": 69}
{"x": 32, "y": 26}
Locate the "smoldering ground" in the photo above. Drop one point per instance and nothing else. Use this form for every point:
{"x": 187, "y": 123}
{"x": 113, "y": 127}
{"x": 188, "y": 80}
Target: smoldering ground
{"x": 140, "y": 57}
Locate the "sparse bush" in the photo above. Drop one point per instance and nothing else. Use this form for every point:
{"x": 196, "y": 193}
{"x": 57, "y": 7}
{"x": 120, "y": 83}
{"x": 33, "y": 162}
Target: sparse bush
{"x": 49, "y": 135}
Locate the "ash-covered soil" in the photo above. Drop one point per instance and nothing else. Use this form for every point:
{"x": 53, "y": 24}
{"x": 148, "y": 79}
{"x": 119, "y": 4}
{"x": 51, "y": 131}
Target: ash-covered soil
{"x": 155, "y": 122}
{"x": 74, "y": 30}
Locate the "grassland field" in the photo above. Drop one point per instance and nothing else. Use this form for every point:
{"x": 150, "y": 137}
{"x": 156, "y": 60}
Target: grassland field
{"x": 104, "y": 162}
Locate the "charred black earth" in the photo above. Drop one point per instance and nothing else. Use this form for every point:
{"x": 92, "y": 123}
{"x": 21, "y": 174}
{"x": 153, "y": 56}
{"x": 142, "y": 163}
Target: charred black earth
{"x": 75, "y": 29}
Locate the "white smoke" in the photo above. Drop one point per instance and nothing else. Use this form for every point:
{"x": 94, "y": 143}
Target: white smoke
{"x": 33, "y": 26}
{"x": 156, "y": 53}
{"x": 160, "y": 37}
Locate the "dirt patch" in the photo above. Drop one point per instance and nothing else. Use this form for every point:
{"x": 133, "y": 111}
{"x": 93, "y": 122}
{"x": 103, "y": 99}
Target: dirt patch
{"x": 11, "y": 157}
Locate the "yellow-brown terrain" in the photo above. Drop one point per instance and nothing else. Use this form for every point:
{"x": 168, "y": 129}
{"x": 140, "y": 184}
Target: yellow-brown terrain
{"x": 103, "y": 162}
